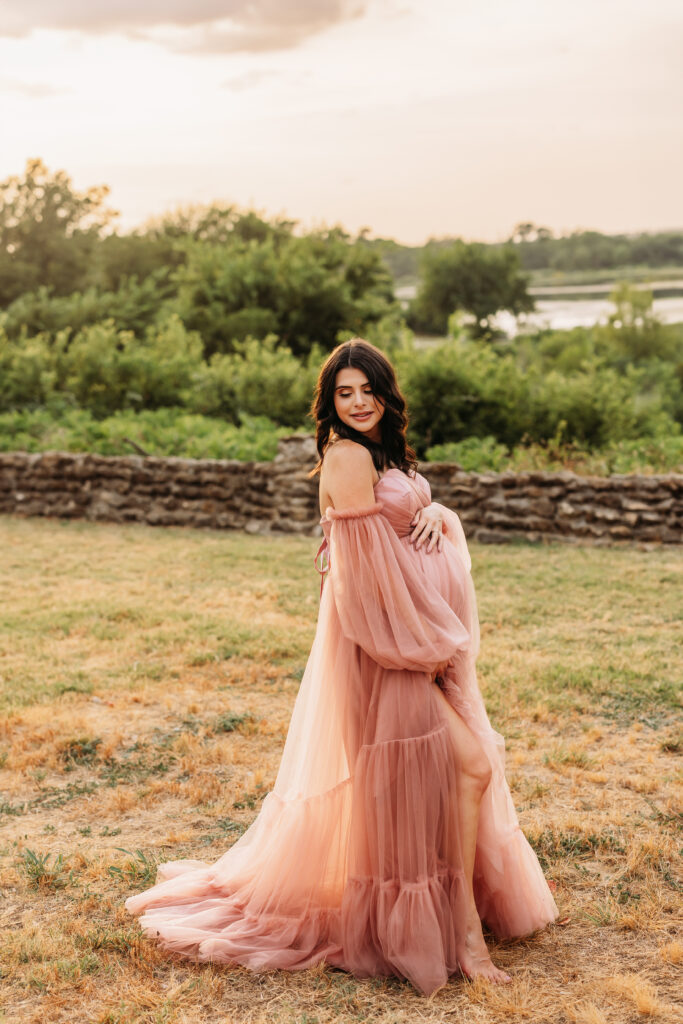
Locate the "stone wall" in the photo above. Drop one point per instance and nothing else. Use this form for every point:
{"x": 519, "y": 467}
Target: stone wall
{"x": 497, "y": 507}
{"x": 278, "y": 496}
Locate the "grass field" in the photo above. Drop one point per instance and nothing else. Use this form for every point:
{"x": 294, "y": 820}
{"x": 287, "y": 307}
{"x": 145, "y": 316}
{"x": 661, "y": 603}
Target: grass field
{"x": 147, "y": 677}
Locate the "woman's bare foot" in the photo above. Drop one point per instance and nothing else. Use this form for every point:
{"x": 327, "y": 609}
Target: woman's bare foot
{"x": 473, "y": 956}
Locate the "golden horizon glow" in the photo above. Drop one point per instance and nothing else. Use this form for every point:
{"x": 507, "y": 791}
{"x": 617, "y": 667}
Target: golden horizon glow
{"x": 412, "y": 121}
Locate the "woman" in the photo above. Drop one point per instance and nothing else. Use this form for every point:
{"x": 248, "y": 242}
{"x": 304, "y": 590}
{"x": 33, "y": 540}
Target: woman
{"x": 390, "y": 833}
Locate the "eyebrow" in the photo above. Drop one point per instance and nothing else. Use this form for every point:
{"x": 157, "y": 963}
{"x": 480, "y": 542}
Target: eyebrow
{"x": 342, "y": 387}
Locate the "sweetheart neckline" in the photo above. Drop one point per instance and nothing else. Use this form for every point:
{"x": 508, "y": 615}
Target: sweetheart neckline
{"x": 394, "y": 469}
{"x": 390, "y": 470}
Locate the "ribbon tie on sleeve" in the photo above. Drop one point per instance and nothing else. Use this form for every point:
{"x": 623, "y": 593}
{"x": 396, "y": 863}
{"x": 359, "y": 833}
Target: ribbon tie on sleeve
{"x": 322, "y": 557}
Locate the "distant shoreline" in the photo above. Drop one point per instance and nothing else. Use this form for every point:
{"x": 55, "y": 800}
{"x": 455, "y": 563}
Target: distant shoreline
{"x": 568, "y": 306}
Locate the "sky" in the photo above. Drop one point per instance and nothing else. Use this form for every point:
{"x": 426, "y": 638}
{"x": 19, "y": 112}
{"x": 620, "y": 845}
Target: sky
{"x": 410, "y": 118}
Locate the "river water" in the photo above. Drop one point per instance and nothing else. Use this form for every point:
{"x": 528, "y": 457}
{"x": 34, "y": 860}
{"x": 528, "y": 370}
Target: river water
{"x": 561, "y": 313}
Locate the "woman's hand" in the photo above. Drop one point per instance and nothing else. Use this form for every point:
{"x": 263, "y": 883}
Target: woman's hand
{"x": 428, "y": 522}
{"x": 439, "y": 671}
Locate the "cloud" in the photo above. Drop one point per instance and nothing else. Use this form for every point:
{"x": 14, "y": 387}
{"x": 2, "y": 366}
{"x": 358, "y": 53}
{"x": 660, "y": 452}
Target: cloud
{"x": 34, "y": 90}
{"x": 248, "y": 80}
{"x": 206, "y": 26}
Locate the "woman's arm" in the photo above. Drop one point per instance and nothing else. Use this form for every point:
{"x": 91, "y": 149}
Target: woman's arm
{"x": 348, "y": 475}
{"x": 385, "y": 603}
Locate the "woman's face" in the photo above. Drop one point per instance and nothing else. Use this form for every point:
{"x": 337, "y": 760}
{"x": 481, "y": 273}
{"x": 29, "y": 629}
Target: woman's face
{"x": 355, "y": 403}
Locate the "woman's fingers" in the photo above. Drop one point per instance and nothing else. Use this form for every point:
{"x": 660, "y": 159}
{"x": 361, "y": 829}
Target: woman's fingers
{"x": 440, "y": 670}
{"x": 434, "y": 541}
{"x": 421, "y": 535}
{"x": 427, "y": 527}
{"x": 419, "y": 530}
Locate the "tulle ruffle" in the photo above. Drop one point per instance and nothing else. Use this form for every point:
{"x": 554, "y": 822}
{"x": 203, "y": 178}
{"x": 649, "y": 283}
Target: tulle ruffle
{"x": 355, "y": 858}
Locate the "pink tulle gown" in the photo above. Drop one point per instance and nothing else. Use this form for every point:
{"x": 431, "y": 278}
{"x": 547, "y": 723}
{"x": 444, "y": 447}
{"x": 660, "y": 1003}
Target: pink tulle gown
{"x": 355, "y": 856}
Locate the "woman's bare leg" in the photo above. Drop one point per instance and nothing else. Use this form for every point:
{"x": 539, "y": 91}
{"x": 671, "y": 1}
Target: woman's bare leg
{"x": 474, "y": 777}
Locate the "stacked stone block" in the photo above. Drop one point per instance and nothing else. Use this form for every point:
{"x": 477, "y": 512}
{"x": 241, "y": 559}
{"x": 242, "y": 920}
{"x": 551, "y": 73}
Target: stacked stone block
{"x": 279, "y": 496}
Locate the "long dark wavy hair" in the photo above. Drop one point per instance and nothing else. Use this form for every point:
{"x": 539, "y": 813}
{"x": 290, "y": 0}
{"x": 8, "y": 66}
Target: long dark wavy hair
{"x": 393, "y": 448}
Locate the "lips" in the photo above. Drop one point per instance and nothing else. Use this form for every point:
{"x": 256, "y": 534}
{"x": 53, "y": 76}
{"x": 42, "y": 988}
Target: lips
{"x": 361, "y": 416}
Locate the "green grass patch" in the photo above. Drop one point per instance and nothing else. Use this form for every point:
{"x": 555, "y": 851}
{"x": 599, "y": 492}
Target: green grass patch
{"x": 45, "y": 871}
{"x": 140, "y": 869}
{"x": 553, "y": 845}
{"x": 576, "y": 629}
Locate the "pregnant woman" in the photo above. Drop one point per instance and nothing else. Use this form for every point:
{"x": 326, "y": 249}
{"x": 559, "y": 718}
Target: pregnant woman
{"x": 390, "y": 833}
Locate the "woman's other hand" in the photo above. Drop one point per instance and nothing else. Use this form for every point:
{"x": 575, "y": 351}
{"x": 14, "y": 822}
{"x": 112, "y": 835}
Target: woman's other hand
{"x": 439, "y": 672}
{"x": 428, "y": 523}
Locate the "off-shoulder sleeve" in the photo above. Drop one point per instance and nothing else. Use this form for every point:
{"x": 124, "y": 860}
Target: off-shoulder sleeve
{"x": 385, "y": 603}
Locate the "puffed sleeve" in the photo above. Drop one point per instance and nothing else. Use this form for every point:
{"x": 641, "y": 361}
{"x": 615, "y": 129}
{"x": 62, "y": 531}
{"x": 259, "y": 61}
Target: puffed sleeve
{"x": 385, "y": 603}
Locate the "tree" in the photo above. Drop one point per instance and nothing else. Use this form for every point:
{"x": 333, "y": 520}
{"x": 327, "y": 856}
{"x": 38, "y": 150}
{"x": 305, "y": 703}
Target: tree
{"x": 48, "y": 231}
{"x": 217, "y": 225}
{"x": 476, "y": 278}
{"x": 120, "y": 258}
{"x": 302, "y": 289}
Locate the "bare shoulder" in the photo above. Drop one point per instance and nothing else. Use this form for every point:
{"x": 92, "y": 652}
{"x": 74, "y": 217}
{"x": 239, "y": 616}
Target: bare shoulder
{"x": 345, "y": 454}
{"x": 348, "y": 475}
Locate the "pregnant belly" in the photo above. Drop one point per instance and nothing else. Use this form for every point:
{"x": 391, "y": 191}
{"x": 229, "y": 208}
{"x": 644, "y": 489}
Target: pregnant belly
{"x": 445, "y": 571}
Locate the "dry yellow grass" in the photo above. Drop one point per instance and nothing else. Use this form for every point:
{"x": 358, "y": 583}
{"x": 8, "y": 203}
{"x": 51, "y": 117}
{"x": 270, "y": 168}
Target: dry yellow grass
{"x": 146, "y": 680}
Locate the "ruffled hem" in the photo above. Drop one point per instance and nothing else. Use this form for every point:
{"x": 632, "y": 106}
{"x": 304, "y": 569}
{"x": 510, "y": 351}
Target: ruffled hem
{"x": 407, "y": 929}
{"x": 223, "y": 930}
{"x": 383, "y": 928}
{"x": 511, "y": 893}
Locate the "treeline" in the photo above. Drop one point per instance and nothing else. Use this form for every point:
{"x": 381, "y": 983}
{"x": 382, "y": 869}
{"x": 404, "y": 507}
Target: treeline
{"x": 204, "y": 333}
{"x": 538, "y": 249}
{"x": 226, "y": 273}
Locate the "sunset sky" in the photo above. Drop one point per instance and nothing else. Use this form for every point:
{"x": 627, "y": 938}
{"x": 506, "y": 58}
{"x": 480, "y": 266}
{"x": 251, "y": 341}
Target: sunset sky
{"x": 413, "y": 118}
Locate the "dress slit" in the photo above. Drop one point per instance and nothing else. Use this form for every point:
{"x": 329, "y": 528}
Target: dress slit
{"x": 355, "y": 857}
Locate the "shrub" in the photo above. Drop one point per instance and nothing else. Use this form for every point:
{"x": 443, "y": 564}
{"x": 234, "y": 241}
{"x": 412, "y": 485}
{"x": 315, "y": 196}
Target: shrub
{"x": 27, "y": 372}
{"x": 260, "y": 377}
{"x": 473, "y": 454}
{"x": 134, "y": 306}
{"x": 107, "y": 369}
{"x": 160, "y": 432}
{"x": 462, "y": 389}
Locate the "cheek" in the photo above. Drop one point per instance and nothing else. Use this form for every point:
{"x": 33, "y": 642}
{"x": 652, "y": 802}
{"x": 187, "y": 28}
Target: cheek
{"x": 340, "y": 406}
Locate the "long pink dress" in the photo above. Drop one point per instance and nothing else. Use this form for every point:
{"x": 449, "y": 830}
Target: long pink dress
{"x": 355, "y": 856}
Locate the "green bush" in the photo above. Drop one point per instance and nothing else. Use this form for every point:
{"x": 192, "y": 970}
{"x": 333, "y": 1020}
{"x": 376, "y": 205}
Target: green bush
{"x": 177, "y": 432}
{"x": 540, "y": 398}
{"x": 160, "y": 432}
{"x": 480, "y": 455}
{"x": 259, "y": 377}
{"x": 474, "y": 454}
{"x": 27, "y": 372}
{"x": 106, "y": 369}
{"x": 462, "y": 389}
{"x": 134, "y": 306}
